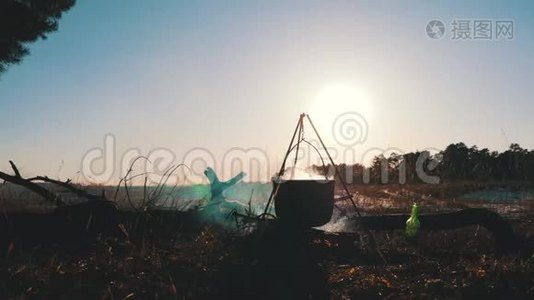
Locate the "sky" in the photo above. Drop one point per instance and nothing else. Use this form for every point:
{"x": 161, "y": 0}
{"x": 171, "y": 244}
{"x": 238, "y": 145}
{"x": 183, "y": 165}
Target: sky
{"x": 205, "y": 78}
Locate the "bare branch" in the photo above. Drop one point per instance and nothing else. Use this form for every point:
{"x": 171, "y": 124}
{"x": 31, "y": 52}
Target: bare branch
{"x": 15, "y": 169}
{"x": 18, "y": 180}
{"x": 70, "y": 187}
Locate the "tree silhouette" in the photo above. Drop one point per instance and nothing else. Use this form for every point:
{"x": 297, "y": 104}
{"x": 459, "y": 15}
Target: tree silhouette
{"x": 457, "y": 162}
{"x": 25, "y": 21}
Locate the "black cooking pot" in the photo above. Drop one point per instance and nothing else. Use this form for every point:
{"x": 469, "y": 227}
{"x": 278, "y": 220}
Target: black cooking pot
{"x": 304, "y": 203}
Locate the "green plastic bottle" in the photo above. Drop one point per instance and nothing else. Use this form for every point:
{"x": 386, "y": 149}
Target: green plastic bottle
{"x": 413, "y": 224}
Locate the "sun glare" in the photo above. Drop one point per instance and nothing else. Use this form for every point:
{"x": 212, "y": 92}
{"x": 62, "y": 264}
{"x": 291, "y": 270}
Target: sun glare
{"x": 336, "y": 99}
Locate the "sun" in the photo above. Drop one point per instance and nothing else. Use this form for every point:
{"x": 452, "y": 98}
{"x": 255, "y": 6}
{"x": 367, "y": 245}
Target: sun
{"x": 339, "y": 98}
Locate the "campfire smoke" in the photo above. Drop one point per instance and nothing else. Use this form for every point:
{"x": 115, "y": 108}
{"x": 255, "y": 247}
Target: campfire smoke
{"x": 295, "y": 173}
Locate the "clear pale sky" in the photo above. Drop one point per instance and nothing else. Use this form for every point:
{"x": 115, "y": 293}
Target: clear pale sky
{"x": 223, "y": 74}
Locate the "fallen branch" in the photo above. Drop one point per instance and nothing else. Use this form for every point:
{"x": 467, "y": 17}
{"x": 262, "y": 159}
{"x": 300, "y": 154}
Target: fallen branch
{"x": 502, "y": 231}
{"x": 48, "y": 195}
{"x": 67, "y": 185}
{"x": 41, "y": 191}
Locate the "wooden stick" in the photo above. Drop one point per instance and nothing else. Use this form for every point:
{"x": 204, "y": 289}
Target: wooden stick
{"x": 41, "y": 191}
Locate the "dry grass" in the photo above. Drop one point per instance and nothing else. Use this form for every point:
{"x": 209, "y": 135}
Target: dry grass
{"x": 395, "y": 198}
{"x": 208, "y": 263}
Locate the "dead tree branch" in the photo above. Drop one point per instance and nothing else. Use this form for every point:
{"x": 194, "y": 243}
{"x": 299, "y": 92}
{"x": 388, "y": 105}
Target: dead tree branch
{"x": 41, "y": 191}
{"x": 492, "y": 221}
{"x": 67, "y": 185}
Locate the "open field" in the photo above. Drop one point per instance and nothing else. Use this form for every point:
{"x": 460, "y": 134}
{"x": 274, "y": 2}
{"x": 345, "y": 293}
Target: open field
{"x": 205, "y": 262}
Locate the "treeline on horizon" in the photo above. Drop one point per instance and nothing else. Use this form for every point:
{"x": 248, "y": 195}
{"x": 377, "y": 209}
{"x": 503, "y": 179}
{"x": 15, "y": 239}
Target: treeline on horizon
{"x": 456, "y": 163}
